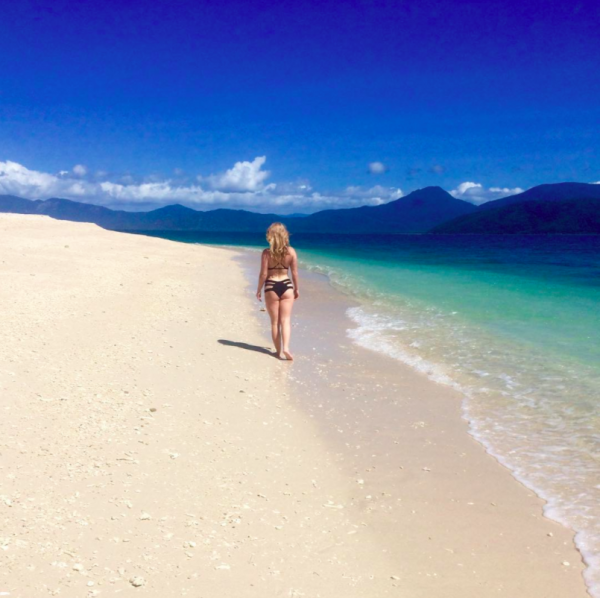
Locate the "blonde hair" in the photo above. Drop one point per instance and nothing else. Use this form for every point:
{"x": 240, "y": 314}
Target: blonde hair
{"x": 279, "y": 239}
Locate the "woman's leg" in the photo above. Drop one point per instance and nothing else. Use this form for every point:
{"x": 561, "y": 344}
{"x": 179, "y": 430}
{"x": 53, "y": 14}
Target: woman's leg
{"x": 272, "y": 303}
{"x": 285, "y": 315}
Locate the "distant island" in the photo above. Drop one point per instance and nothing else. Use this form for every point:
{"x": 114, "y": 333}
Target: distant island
{"x": 565, "y": 208}
{"x": 551, "y": 208}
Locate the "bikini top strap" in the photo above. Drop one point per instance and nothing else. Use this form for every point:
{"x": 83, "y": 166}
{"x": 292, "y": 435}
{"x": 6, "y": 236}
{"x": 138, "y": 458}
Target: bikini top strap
{"x": 280, "y": 265}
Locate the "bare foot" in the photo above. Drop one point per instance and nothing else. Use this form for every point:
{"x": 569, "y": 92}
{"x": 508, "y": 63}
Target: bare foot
{"x": 288, "y": 355}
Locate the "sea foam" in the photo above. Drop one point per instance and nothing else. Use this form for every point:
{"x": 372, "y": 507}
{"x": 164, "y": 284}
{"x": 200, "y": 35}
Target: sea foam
{"x": 546, "y": 442}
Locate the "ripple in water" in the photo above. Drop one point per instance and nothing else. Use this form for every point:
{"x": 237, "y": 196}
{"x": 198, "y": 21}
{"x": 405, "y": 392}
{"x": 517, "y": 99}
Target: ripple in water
{"x": 539, "y": 417}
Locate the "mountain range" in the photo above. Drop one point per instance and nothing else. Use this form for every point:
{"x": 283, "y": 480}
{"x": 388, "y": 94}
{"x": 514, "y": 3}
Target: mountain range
{"x": 551, "y": 208}
{"x": 417, "y": 212}
{"x": 566, "y": 208}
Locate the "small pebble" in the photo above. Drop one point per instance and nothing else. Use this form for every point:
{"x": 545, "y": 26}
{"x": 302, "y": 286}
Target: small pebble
{"x": 137, "y": 582}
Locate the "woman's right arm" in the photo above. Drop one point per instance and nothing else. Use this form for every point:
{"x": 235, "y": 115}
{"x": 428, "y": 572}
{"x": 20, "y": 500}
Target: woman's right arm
{"x": 294, "y": 269}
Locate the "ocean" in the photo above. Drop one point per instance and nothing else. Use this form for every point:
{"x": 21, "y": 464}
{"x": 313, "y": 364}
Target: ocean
{"x": 512, "y": 322}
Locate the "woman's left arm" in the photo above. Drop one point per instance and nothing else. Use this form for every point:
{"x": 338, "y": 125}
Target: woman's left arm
{"x": 264, "y": 265}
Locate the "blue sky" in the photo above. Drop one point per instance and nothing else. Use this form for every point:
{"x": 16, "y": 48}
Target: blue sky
{"x": 293, "y": 105}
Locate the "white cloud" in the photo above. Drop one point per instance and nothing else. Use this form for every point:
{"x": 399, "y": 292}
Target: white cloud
{"x": 377, "y": 167}
{"x": 476, "y": 193}
{"x": 506, "y": 190}
{"x": 373, "y": 196}
{"x": 246, "y": 178}
{"x": 243, "y": 177}
{"x": 80, "y": 170}
{"x": 465, "y": 188}
{"x": 596, "y": 183}
{"x": 15, "y": 179}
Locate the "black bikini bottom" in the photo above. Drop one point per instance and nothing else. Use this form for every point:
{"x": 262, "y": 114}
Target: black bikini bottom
{"x": 279, "y": 286}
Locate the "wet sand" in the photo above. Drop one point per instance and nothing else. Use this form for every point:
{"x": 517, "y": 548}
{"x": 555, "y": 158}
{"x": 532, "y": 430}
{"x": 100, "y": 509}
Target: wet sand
{"x": 455, "y": 520}
{"x": 149, "y": 444}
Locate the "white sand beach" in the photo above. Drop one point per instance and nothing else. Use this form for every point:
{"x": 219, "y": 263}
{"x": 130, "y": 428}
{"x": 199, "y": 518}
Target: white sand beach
{"x": 141, "y": 456}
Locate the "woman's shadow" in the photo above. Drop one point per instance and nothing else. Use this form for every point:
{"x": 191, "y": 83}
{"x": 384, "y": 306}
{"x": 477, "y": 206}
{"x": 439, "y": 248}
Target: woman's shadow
{"x": 248, "y": 347}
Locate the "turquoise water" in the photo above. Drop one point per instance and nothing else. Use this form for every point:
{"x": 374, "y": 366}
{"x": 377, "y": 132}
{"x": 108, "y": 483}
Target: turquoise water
{"x": 511, "y": 322}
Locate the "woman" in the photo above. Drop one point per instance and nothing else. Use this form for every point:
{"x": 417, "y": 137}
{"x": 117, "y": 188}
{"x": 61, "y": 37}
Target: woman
{"x": 279, "y": 292}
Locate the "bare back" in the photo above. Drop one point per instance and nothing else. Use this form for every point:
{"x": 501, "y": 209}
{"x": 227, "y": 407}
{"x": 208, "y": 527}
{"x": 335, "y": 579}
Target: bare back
{"x": 277, "y": 268}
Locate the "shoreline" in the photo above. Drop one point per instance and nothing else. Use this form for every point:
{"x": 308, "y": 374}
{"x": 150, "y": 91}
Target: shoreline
{"x": 340, "y": 293}
{"x": 449, "y": 400}
{"x": 170, "y": 451}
